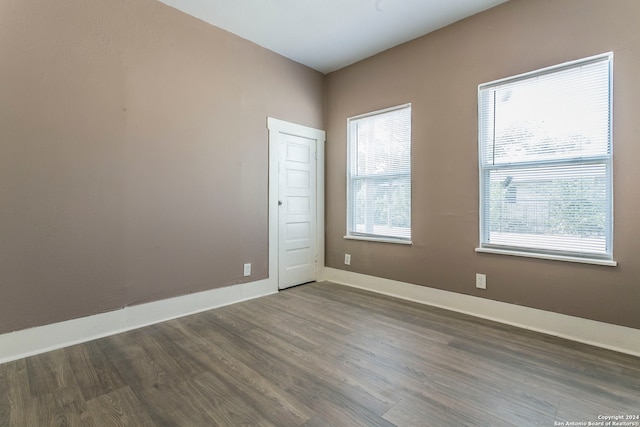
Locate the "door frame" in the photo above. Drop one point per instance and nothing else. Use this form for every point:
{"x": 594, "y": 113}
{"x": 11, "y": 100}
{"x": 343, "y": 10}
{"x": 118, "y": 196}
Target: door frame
{"x": 275, "y": 128}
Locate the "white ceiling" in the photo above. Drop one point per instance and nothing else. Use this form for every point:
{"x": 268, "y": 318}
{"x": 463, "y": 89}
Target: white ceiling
{"x": 327, "y": 35}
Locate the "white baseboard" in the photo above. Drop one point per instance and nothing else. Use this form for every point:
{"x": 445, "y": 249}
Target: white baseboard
{"x": 28, "y": 342}
{"x": 605, "y": 335}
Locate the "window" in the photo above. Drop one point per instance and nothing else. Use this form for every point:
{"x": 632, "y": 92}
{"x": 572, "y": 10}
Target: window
{"x": 545, "y": 162}
{"x": 379, "y": 175}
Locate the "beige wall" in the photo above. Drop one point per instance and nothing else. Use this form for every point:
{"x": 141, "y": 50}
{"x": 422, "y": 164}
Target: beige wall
{"x": 133, "y": 155}
{"x": 439, "y": 75}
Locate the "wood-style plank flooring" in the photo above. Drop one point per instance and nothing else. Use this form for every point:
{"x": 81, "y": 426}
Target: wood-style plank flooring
{"x": 321, "y": 355}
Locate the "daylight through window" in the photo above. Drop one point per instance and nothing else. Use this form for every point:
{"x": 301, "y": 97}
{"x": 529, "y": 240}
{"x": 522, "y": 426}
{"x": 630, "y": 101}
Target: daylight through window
{"x": 545, "y": 161}
{"x": 379, "y": 175}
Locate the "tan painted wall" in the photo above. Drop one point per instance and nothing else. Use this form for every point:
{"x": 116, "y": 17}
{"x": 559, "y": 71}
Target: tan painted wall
{"x": 133, "y": 155}
{"x": 439, "y": 75}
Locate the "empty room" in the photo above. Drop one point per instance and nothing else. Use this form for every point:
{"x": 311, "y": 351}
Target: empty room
{"x": 319, "y": 213}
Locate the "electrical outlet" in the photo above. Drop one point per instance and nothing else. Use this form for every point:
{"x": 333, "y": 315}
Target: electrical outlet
{"x": 247, "y": 270}
{"x": 481, "y": 281}
{"x": 347, "y": 259}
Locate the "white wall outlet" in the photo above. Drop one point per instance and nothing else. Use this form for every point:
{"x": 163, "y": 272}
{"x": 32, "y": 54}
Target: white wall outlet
{"x": 481, "y": 281}
{"x": 347, "y": 259}
{"x": 247, "y": 270}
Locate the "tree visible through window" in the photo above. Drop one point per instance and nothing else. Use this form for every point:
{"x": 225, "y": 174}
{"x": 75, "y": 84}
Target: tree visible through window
{"x": 545, "y": 160}
{"x": 379, "y": 174}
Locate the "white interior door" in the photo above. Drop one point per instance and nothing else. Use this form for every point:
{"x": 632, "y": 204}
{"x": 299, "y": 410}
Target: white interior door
{"x": 296, "y": 159}
{"x": 297, "y": 211}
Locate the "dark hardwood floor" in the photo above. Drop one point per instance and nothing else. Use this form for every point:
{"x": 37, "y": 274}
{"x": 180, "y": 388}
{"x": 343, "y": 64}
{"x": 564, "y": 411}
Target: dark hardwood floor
{"x": 321, "y": 355}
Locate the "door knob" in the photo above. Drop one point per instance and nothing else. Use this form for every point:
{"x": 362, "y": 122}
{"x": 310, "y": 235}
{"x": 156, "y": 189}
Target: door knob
{"x": 279, "y": 202}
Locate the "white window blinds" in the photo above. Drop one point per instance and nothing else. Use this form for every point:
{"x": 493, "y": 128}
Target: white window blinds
{"x": 379, "y": 174}
{"x": 545, "y": 160}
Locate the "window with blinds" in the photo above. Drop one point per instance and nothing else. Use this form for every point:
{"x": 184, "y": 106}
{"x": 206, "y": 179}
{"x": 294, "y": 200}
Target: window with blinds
{"x": 379, "y": 175}
{"x": 545, "y": 161}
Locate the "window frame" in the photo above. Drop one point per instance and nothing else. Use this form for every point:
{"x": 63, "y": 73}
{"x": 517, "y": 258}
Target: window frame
{"x": 350, "y": 232}
{"x": 607, "y": 160}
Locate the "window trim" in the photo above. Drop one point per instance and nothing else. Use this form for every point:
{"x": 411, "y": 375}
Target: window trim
{"x": 605, "y": 259}
{"x": 363, "y": 236}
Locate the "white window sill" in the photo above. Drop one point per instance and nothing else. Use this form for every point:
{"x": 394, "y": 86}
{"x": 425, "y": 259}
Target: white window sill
{"x": 380, "y": 239}
{"x": 596, "y": 261}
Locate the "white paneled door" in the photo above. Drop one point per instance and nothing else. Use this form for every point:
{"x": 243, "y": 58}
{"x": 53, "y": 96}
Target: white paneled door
{"x": 298, "y": 204}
